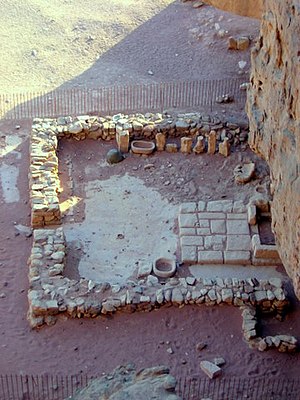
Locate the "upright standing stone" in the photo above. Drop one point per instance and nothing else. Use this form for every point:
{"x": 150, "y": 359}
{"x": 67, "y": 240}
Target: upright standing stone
{"x": 160, "y": 141}
{"x": 224, "y": 147}
{"x": 186, "y": 145}
{"x": 212, "y": 142}
{"x": 171, "y": 148}
{"x": 122, "y": 137}
{"x": 200, "y": 145}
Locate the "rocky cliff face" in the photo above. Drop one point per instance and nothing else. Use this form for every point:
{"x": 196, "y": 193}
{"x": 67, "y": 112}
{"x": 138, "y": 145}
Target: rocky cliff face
{"x": 274, "y": 113}
{"x": 248, "y": 8}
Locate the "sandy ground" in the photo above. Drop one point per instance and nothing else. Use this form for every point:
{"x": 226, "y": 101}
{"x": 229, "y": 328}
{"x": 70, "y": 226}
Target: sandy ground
{"x": 50, "y": 47}
{"x": 91, "y": 44}
{"x": 97, "y": 346}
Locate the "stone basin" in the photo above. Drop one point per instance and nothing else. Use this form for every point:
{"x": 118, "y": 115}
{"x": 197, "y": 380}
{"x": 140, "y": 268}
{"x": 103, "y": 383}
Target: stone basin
{"x": 142, "y": 147}
{"x": 164, "y": 267}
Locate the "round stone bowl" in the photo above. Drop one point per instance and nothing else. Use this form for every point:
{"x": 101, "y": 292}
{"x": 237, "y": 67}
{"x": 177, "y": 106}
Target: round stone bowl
{"x": 142, "y": 147}
{"x": 164, "y": 267}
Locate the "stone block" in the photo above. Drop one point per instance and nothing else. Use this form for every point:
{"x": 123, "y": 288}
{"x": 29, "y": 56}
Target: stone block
{"x": 211, "y": 215}
{"x": 251, "y": 215}
{"x": 232, "y": 43}
{"x": 237, "y": 227}
{"x": 200, "y": 145}
{"x": 160, "y": 139}
{"x": 201, "y": 205}
{"x": 188, "y": 254}
{"x": 187, "y": 232}
{"x": 210, "y": 257}
{"x": 218, "y": 226}
{"x": 186, "y": 145}
{"x": 122, "y": 138}
{"x": 238, "y": 242}
{"x": 237, "y": 216}
{"x": 189, "y": 207}
{"x": 187, "y": 220}
{"x": 191, "y": 241}
{"x": 215, "y": 242}
{"x": 210, "y": 369}
{"x": 224, "y": 147}
{"x": 237, "y": 257}
{"x": 171, "y": 148}
{"x": 264, "y": 251}
{"x": 242, "y": 43}
{"x": 212, "y": 142}
{"x": 203, "y": 231}
{"x": 220, "y": 206}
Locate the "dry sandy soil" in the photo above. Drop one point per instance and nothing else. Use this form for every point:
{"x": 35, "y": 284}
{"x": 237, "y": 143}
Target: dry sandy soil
{"x": 75, "y": 43}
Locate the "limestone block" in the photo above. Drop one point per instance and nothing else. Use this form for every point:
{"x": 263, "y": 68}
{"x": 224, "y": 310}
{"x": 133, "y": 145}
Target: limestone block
{"x": 232, "y": 43}
{"x": 212, "y": 142}
{"x": 224, "y": 147}
{"x": 122, "y": 137}
{"x": 252, "y": 215}
{"x": 171, "y": 148}
{"x": 243, "y": 43}
{"x": 210, "y": 369}
{"x": 186, "y": 145}
{"x": 200, "y": 145}
{"x": 160, "y": 139}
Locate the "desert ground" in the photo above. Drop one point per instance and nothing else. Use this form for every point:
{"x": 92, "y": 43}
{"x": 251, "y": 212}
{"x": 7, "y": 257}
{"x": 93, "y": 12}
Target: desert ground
{"x": 91, "y": 44}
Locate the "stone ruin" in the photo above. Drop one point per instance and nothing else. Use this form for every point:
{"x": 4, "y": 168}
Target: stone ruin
{"x": 207, "y": 233}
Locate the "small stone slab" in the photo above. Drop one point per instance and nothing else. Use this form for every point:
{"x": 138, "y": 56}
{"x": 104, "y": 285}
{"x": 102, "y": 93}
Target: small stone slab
{"x": 238, "y": 242}
{"x": 220, "y": 205}
{"x": 210, "y": 369}
{"x": 237, "y": 257}
{"x": 188, "y": 254}
{"x": 237, "y": 227}
{"x": 210, "y": 257}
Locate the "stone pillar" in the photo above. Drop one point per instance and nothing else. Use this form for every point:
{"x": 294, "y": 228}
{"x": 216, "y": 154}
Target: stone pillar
{"x": 186, "y": 145}
{"x": 224, "y": 147}
{"x": 160, "y": 141}
{"x": 200, "y": 145}
{"x": 122, "y": 138}
{"x": 212, "y": 142}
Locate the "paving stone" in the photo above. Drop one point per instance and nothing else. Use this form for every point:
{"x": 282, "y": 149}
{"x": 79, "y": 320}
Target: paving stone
{"x": 237, "y": 257}
{"x": 210, "y": 369}
{"x": 188, "y": 254}
{"x": 277, "y": 282}
{"x": 238, "y": 242}
{"x": 190, "y": 280}
{"x": 191, "y": 241}
{"x": 203, "y": 231}
{"x": 241, "y": 216}
{"x": 217, "y": 226}
{"x": 201, "y": 205}
{"x": 227, "y": 295}
{"x": 239, "y": 207}
{"x": 215, "y": 242}
{"x": 220, "y": 205}
{"x": 188, "y": 220}
{"x": 203, "y": 223}
{"x": 237, "y": 227}
{"x": 188, "y": 207}
{"x": 211, "y": 215}
{"x": 187, "y": 231}
{"x": 210, "y": 257}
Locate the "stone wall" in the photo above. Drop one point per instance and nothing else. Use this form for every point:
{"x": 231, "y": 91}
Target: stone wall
{"x": 274, "y": 113}
{"x": 248, "y": 8}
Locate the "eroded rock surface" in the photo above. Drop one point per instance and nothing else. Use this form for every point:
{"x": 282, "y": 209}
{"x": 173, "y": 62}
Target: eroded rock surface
{"x": 248, "y": 8}
{"x": 126, "y": 383}
{"x": 274, "y": 113}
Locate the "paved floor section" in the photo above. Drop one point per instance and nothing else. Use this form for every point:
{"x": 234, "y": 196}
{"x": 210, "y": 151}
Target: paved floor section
{"x": 215, "y": 232}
